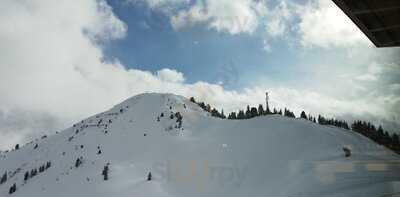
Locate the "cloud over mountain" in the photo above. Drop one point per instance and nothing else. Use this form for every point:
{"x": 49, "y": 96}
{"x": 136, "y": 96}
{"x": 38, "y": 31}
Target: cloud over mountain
{"x": 53, "y": 72}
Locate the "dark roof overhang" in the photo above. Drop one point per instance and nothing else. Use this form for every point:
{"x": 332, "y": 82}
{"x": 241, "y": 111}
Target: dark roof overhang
{"x": 378, "y": 19}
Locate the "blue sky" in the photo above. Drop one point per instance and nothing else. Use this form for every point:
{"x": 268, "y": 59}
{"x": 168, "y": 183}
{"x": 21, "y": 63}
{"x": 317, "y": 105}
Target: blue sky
{"x": 92, "y": 54}
{"x": 200, "y": 53}
{"x": 205, "y": 54}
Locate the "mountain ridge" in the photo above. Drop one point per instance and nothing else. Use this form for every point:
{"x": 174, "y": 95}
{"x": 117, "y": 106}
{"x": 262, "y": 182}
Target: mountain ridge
{"x": 268, "y": 155}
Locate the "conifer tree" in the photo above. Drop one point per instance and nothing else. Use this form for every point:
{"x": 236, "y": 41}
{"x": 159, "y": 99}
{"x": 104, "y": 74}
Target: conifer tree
{"x": 241, "y": 115}
{"x": 253, "y": 112}
{"x": 260, "y": 110}
{"x": 3, "y": 178}
{"x": 105, "y": 172}
{"x": 48, "y": 164}
{"x": 13, "y": 188}
{"x": 222, "y": 114}
{"x": 32, "y": 174}
{"x": 303, "y": 115}
{"x": 248, "y": 113}
{"x": 78, "y": 162}
{"x": 26, "y": 176}
{"x": 214, "y": 113}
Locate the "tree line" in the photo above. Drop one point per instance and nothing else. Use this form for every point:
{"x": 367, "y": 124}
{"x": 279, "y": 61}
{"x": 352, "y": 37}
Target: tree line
{"x": 247, "y": 113}
{"x": 377, "y": 135}
{"x": 367, "y": 129}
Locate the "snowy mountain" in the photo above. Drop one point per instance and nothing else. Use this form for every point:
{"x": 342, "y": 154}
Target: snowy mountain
{"x": 191, "y": 153}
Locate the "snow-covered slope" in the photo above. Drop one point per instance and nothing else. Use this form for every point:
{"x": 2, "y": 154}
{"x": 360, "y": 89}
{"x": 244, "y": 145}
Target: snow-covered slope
{"x": 264, "y": 156}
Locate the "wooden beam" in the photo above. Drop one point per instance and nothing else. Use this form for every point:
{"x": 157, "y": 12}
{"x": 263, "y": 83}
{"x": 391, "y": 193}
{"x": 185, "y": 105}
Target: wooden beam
{"x": 344, "y": 7}
{"x": 384, "y": 28}
{"x": 395, "y": 43}
{"x": 367, "y": 11}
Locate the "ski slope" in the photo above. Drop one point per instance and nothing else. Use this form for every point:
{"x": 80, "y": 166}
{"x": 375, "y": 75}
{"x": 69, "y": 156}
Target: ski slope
{"x": 264, "y": 156}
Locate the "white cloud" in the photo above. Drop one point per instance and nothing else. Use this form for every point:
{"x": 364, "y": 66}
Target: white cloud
{"x": 313, "y": 23}
{"x": 17, "y": 126}
{"x": 323, "y": 24}
{"x": 395, "y": 87}
{"x": 169, "y": 75}
{"x": 240, "y": 16}
{"x": 105, "y": 25}
{"x": 164, "y": 5}
{"x": 234, "y": 17}
{"x": 278, "y": 20}
{"x": 372, "y": 74}
{"x": 50, "y": 62}
{"x": 380, "y": 74}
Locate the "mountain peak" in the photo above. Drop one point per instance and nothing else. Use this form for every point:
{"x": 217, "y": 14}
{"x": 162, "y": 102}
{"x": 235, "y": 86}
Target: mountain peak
{"x": 190, "y": 153}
